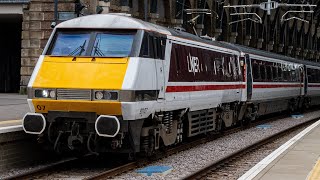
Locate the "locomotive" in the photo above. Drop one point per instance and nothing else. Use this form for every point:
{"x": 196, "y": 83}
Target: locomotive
{"x": 113, "y": 83}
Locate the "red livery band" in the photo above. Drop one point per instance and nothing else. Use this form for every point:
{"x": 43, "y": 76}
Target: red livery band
{"x": 228, "y": 87}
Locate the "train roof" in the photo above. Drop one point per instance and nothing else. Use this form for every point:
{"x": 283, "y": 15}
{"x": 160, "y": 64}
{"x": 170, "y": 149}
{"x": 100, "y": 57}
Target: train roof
{"x": 111, "y": 21}
{"x": 250, "y": 50}
{"x": 124, "y": 21}
{"x": 193, "y": 37}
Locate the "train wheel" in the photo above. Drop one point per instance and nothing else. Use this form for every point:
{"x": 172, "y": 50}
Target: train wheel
{"x": 246, "y": 122}
{"x": 219, "y": 125}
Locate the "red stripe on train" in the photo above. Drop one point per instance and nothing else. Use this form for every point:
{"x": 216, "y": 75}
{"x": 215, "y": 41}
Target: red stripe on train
{"x": 226, "y": 87}
{"x": 203, "y": 88}
{"x": 276, "y": 85}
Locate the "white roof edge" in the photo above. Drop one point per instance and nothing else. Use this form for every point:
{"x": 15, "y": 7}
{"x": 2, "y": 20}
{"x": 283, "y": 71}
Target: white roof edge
{"x": 111, "y": 21}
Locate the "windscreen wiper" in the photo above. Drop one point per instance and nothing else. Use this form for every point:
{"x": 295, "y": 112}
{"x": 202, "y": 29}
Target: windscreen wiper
{"x": 81, "y": 48}
{"x": 97, "y": 50}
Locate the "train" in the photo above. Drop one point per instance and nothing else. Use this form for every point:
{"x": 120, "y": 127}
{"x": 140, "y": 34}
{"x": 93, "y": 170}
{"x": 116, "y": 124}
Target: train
{"x": 115, "y": 84}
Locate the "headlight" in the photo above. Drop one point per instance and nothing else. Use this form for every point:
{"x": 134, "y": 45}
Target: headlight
{"x": 45, "y": 93}
{"x": 106, "y": 95}
{"x": 52, "y": 94}
{"x": 99, "y": 95}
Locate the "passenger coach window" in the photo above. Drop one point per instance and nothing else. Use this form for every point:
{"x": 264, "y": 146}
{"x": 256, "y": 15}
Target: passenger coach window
{"x": 263, "y": 72}
{"x": 219, "y": 68}
{"x": 275, "y": 73}
{"x": 269, "y": 73}
{"x": 280, "y": 77}
{"x": 256, "y": 71}
{"x": 112, "y": 45}
{"x": 70, "y": 44}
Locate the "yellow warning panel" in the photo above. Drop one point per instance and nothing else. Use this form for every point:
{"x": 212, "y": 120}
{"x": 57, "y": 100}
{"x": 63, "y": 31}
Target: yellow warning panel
{"x": 315, "y": 172}
{"x": 81, "y": 73}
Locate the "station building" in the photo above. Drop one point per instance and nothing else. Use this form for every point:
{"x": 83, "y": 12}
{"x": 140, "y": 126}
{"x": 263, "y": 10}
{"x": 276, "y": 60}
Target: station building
{"x": 25, "y": 27}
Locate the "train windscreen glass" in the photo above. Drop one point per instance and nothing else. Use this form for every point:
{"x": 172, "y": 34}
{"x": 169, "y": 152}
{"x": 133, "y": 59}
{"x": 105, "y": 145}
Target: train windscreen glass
{"x": 67, "y": 44}
{"x": 112, "y": 45}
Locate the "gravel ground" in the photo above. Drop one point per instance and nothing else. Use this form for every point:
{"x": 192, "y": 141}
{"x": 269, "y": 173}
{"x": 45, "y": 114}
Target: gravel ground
{"x": 196, "y": 158}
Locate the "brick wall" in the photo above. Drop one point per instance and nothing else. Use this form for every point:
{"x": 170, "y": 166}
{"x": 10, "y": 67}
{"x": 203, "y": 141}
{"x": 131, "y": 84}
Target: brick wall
{"x": 37, "y": 18}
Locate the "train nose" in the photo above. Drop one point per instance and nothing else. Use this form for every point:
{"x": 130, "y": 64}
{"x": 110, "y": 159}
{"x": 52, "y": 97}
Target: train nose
{"x": 33, "y": 123}
{"x": 107, "y": 126}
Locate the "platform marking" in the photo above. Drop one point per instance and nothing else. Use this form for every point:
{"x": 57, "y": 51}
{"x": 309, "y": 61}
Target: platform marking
{"x": 10, "y": 121}
{"x": 149, "y": 170}
{"x": 315, "y": 172}
{"x": 254, "y": 171}
{"x": 264, "y": 126}
{"x": 10, "y": 129}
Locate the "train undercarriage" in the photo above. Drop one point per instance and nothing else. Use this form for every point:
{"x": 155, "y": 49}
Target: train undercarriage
{"x": 77, "y": 131}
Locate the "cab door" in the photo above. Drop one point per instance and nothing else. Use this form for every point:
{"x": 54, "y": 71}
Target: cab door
{"x": 249, "y": 76}
{"x": 304, "y": 80}
{"x": 159, "y": 51}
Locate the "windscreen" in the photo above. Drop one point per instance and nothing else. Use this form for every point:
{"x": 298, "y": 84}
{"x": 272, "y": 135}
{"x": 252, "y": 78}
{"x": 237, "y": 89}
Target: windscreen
{"x": 70, "y": 44}
{"x": 112, "y": 45}
{"x": 96, "y": 43}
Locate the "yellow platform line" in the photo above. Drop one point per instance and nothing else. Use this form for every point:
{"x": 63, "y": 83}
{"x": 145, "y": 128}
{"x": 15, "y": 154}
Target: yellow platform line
{"x": 315, "y": 173}
{"x": 10, "y": 121}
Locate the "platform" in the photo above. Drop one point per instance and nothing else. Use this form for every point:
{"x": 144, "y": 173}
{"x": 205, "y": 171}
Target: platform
{"x": 12, "y": 109}
{"x": 297, "y": 159}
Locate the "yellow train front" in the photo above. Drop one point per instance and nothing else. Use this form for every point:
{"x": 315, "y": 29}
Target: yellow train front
{"x": 92, "y": 86}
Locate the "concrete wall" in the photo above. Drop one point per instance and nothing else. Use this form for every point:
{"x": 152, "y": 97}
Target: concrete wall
{"x": 11, "y": 9}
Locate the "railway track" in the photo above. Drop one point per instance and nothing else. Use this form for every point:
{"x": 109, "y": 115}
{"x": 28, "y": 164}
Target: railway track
{"x": 125, "y": 167}
{"x": 137, "y": 164}
{"x": 209, "y": 171}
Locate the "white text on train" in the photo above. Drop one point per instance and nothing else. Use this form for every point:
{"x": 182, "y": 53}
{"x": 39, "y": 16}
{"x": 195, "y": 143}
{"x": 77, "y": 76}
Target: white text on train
{"x": 193, "y": 64}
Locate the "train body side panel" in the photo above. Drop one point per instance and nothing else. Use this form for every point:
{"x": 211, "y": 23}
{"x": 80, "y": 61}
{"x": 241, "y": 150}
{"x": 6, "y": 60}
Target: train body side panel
{"x": 140, "y": 75}
{"x": 193, "y": 82}
{"x": 273, "y": 89}
{"x": 263, "y": 91}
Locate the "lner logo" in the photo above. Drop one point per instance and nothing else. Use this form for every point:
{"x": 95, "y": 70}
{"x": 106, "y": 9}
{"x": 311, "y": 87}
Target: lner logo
{"x": 193, "y": 64}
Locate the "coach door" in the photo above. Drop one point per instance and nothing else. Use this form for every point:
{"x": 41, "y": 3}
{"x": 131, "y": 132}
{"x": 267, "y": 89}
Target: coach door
{"x": 304, "y": 79}
{"x": 249, "y": 76}
{"x": 159, "y": 52}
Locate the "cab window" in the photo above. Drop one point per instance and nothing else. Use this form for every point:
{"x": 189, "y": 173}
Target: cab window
{"x": 70, "y": 44}
{"x": 112, "y": 45}
{"x": 97, "y": 43}
{"x": 153, "y": 46}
